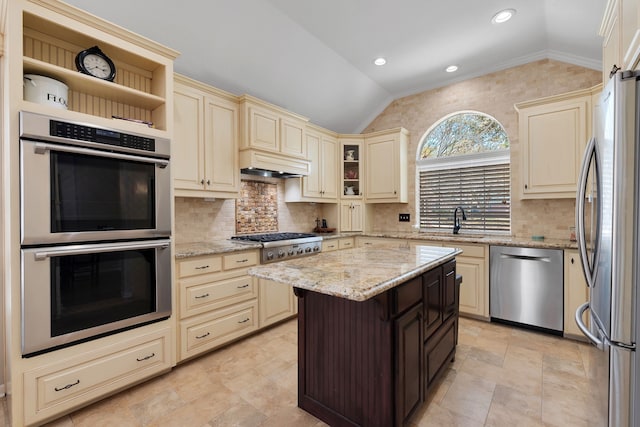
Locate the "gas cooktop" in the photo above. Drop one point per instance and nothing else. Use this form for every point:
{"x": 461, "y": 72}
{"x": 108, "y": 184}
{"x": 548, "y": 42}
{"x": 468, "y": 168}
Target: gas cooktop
{"x": 281, "y": 246}
{"x": 273, "y": 237}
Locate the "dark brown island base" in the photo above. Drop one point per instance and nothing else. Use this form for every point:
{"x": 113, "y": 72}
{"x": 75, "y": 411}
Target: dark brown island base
{"x": 372, "y": 360}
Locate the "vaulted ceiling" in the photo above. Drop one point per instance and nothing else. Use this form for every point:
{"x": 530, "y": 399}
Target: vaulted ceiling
{"x": 316, "y": 58}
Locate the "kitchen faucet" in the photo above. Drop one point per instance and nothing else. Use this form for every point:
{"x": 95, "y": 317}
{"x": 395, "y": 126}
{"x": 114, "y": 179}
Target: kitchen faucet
{"x": 456, "y": 221}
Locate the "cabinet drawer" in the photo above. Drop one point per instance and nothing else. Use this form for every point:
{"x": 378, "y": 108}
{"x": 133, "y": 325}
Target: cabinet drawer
{"x": 209, "y": 331}
{"x": 200, "y": 298}
{"x": 469, "y": 250}
{"x": 346, "y": 243}
{"x": 56, "y": 388}
{"x": 243, "y": 259}
{"x": 331, "y": 245}
{"x": 407, "y": 295}
{"x": 200, "y": 265}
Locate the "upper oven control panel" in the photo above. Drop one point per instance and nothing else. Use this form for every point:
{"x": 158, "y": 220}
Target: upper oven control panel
{"x": 103, "y": 136}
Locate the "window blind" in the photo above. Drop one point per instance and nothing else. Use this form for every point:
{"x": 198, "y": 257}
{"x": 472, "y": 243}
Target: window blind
{"x": 482, "y": 191}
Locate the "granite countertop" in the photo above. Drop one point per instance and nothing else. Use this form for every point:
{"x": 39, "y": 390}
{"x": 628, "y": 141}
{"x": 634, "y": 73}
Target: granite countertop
{"x": 356, "y": 274}
{"x": 186, "y": 250}
{"x": 466, "y": 238}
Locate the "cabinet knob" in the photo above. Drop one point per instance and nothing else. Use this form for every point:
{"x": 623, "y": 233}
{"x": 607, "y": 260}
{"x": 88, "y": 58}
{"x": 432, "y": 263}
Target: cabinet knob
{"x": 572, "y": 261}
{"x": 202, "y": 181}
{"x": 208, "y": 182}
{"x": 526, "y": 186}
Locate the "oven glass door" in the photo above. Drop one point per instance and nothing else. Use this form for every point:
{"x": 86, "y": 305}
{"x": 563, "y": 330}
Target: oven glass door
{"x": 96, "y": 193}
{"x": 76, "y": 194}
{"x": 92, "y": 290}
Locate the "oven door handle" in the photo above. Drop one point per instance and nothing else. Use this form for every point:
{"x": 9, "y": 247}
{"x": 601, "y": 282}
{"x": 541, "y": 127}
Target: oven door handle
{"x": 43, "y": 147}
{"x": 96, "y": 248}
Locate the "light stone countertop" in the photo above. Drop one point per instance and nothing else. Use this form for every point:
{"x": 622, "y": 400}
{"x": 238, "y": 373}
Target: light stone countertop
{"x": 213, "y": 247}
{"x": 464, "y": 238}
{"x": 356, "y": 274}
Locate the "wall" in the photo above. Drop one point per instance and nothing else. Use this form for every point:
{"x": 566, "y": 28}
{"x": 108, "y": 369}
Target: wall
{"x": 493, "y": 94}
{"x": 199, "y": 220}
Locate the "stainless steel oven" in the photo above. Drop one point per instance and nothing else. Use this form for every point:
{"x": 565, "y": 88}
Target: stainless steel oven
{"x": 71, "y": 293}
{"x": 95, "y": 231}
{"x": 86, "y": 183}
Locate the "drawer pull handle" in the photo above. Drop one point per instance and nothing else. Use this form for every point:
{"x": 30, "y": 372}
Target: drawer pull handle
{"x": 67, "y": 387}
{"x": 240, "y": 261}
{"x": 244, "y": 321}
{"x": 203, "y": 267}
{"x": 246, "y": 285}
{"x": 203, "y": 336}
{"x": 201, "y": 296}
{"x": 146, "y": 357}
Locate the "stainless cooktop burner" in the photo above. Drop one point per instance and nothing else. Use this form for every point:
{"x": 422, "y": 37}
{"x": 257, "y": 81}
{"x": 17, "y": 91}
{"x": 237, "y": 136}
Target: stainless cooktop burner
{"x": 281, "y": 246}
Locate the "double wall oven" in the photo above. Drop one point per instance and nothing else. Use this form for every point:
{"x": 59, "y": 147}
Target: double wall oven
{"x": 95, "y": 217}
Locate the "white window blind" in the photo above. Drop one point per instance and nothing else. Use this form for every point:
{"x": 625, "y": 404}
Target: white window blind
{"x": 483, "y": 191}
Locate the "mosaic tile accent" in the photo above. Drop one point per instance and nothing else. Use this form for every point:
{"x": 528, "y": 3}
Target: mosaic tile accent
{"x": 257, "y": 207}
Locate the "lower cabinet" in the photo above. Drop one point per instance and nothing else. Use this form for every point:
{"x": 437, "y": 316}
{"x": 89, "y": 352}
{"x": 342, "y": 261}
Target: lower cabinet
{"x": 472, "y": 264}
{"x": 217, "y": 301}
{"x": 337, "y": 244}
{"x": 70, "y": 383}
{"x": 277, "y": 302}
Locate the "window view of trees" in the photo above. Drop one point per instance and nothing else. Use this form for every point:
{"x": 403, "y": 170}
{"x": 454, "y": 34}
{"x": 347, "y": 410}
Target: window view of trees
{"x": 464, "y": 133}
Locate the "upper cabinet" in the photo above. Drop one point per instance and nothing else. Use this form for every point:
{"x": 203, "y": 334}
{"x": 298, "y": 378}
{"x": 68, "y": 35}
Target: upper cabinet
{"x": 620, "y": 30}
{"x": 48, "y": 35}
{"x": 352, "y": 171}
{"x": 321, "y": 185}
{"x": 205, "y": 143}
{"x": 386, "y": 166}
{"x": 269, "y": 128}
{"x": 553, "y": 133}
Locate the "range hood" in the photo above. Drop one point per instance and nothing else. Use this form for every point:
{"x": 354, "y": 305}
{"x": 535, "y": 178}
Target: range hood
{"x": 274, "y": 165}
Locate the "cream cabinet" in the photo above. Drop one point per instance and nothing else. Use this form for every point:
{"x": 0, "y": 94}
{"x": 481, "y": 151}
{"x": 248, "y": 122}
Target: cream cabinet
{"x": 269, "y": 128}
{"x": 620, "y": 30}
{"x": 217, "y": 300}
{"x": 386, "y": 167}
{"x": 553, "y": 133}
{"x": 473, "y": 265}
{"x": 205, "y": 144}
{"x": 338, "y": 244}
{"x": 72, "y": 382}
{"x": 351, "y": 215}
{"x": 352, "y": 170}
{"x": 576, "y": 292}
{"x": 277, "y": 302}
{"x": 321, "y": 185}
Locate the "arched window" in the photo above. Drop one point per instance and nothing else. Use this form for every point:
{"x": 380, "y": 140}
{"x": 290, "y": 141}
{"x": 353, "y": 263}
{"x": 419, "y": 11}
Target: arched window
{"x": 463, "y": 161}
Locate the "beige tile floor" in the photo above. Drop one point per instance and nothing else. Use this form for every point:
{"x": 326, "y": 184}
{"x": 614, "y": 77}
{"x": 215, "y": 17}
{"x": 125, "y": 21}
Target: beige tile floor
{"x": 502, "y": 376}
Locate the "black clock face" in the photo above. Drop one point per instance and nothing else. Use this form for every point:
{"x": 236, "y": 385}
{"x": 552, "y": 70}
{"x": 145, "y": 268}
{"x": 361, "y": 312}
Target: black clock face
{"x": 97, "y": 66}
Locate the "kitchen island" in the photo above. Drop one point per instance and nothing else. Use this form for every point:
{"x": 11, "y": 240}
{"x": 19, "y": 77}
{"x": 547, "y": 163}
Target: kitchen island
{"x": 376, "y": 328}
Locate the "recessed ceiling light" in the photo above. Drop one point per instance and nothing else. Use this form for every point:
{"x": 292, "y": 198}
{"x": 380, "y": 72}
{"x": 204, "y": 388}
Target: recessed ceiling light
{"x": 503, "y": 16}
{"x": 380, "y": 61}
{"x": 451, "y": 68}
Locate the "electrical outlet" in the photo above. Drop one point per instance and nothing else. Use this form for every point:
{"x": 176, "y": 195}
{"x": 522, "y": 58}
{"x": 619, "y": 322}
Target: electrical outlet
{"x": 404, "y": 217}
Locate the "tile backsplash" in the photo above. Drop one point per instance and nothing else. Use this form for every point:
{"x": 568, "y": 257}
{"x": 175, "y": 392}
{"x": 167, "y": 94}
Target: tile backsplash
{"x": 202, "y": 220}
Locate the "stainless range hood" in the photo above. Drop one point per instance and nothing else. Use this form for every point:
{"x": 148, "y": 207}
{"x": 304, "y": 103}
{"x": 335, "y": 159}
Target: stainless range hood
{"x": 275, "y": 165}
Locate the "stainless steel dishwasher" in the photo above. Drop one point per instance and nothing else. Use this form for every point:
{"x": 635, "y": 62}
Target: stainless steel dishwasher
{"x": 526, "y": 286}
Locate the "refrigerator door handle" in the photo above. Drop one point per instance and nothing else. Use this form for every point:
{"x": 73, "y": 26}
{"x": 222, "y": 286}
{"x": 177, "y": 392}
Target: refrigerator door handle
{"x": 580, "y": 202}
{"x": 585, "y": 330}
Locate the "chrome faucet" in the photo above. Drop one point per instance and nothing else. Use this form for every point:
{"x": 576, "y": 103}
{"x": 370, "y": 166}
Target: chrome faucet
{"x": 456, "y": 221}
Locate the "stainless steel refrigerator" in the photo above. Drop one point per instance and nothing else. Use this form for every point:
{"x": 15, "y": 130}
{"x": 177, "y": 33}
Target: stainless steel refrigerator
{"x": 608, "y": 233}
